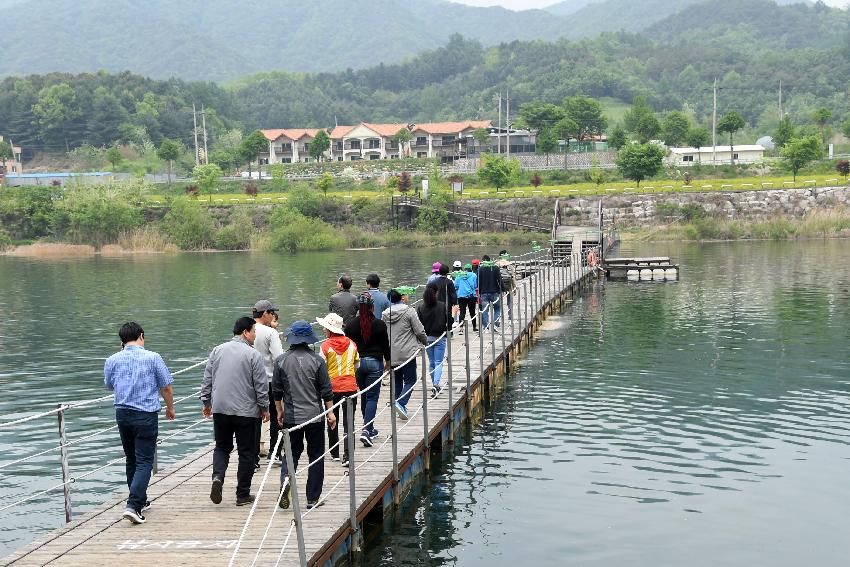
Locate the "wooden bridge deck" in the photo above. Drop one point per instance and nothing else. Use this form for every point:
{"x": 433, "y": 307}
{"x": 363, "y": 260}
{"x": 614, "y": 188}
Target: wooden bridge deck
{"x": 185, "y": 528}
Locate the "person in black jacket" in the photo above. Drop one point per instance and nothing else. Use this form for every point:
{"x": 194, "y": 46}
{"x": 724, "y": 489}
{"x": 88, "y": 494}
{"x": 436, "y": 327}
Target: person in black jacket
{"x": 489, "y": 290}
{"x": 434, "y": 315}
{"x": 370, "y": 335}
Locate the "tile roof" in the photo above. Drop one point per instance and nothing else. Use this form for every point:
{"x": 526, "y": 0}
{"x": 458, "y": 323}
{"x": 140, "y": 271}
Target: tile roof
{"x": 387, "y": 130}
{"x": 291, "y": 133}
{"x": 341, "y": 131}
{"x": 451, "y": 127}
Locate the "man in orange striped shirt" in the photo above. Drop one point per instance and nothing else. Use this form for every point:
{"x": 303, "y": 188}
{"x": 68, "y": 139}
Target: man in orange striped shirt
{"x": 342, "y": 359}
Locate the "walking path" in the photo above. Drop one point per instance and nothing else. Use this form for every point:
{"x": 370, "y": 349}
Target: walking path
{"x": 185, "y": 528}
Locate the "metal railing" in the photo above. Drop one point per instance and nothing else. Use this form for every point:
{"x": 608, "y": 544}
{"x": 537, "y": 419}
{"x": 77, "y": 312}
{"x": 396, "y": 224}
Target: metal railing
{"x": 479, "y": 214}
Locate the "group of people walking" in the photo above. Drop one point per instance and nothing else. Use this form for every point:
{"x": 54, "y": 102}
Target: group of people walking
{"x": 252, "y": 379}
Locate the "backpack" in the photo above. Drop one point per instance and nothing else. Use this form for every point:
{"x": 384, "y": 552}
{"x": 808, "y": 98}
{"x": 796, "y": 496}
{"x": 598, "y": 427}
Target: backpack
{"x": 507, "y": 279}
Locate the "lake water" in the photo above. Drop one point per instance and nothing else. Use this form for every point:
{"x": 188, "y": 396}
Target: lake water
{"x": 59, "y": 321}
{"x": 703, "y": 422}
{"x": 700, "y": 423}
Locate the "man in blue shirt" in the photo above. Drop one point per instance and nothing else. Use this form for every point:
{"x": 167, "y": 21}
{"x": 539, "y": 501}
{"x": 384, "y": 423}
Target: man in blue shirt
{"x": 138, "y": 377}
{"x": 381, "y": 303}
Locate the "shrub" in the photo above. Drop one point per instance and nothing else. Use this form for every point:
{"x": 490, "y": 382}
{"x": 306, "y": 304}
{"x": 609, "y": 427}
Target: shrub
{"x": 231, "y": 238}
{"x": 536, "y": 181}
{"x": 95, "y": 216}
{"x": 251, "y": 190}
{"x": 5, "y": 241}
{"x": 188, "y": 225}
{"x": 293, "y": 231}
{"x": 305, "y": 201}
{"x": 26, "y": 213}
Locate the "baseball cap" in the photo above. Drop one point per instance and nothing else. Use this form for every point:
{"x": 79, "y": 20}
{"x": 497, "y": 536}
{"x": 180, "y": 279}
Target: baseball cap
{"x": 457, "y": 264}
{"x": 467, "y": 267}
{"x": 264, "y": 305}
{"x": 435, "y": 267}
{"x": 475, "y": 261}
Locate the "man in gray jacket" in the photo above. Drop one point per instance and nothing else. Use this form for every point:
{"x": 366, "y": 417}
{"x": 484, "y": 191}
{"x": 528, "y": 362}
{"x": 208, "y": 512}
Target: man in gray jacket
{"x": 302, "y": 392}
{"x": 343, "y": 303}
{"x": 235, "y": 392}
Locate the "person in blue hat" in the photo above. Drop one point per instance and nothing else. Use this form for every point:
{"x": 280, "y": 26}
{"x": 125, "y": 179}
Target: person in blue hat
{"x": 302, "y": 392}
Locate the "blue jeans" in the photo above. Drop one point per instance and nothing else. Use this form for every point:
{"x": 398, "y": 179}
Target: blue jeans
{"x": 138, "y": 430}
{"x": 368, "y": 373}
{"x": 405, "y": 380}
{"x": 486, "y": 300}
{"x": 436, "y": 356}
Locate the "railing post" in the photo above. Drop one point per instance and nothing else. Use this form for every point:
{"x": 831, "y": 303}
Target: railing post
{"x": 426, "y": 452}
{"x": 296, "y": 499}
{"x": 468, "y": 370}
{"x": 481, "y": 340}
{"x": 63, "y": 455}
{"x": 352, "y": 484}
{"x": 514, "y": 303}
{"x": 504, "y": 329}
{"x": 394, "y": 433}
{"x": 493, "y": 330}
{"x": 451, "y": 386}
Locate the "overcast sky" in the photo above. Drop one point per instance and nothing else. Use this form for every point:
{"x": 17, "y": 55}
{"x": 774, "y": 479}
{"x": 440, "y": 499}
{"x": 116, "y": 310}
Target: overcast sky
{"x": 527, "y": 4}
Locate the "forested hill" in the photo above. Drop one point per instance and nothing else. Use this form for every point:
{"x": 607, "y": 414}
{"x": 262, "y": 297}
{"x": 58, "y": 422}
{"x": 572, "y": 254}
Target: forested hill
{"x": 224, "y": 39}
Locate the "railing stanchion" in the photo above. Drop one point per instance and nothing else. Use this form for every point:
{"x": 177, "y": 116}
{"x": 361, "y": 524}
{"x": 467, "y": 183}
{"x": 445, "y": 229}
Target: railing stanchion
{"x": 503, "y": 330}
{"x": 426, "y": 453}
{"x": 513, "y": 325}
{"x": 394, "y": 433}
{"x": 63, "y": 455}
{"x": 296, "y": 498}
{"x": 467, "y": 338}
{"x": 481, "y": 340}
{"x": 492, "y": 310}
{"x": 451, "y": 386}
{"x": 352, "y": 481}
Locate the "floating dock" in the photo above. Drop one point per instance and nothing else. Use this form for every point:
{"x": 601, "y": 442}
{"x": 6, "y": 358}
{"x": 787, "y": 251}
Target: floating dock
{"x": 653, "y": 268}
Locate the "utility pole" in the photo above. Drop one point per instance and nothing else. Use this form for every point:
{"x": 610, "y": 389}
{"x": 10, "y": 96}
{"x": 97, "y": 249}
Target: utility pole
{"x": 499, "y": 136}
{"x": 780, "y": 99}
{"x": 204, "y": 120}
{"x": 508, "y": 121}
{"x": 714, "y": 127}
{"x": 195, "y": 132}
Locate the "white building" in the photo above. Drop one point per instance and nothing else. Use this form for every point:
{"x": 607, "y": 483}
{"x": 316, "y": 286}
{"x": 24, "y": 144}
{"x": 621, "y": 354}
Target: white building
{"x": 13, "y": 165}
{"x": 724, "y": 155}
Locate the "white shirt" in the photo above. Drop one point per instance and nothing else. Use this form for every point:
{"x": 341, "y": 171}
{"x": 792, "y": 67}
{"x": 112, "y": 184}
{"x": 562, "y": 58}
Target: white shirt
{"x": 267, "y": 343}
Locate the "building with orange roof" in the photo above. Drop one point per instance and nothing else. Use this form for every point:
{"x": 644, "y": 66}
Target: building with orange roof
{"x": 288, "y": 145}
{"x": 12, "y": 165}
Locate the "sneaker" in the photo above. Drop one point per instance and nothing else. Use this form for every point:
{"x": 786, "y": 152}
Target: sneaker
{"x": 284, "y": 498}
{"x": 433, "y": 391}
{"x": 334, "y": 457}
{"x": 215, "y": 490}
{"x": 385, "y": 381}
{"x": 315, "y": 504}
{"x": 401, "y": 411}
{"x": 366, "y": 439}
{"x": 277, "y": 462}
{"x": 245, "y": 500}
{"x": 146, "y": 506}
{"x": 374, "y": 434}
{"x": 133, "y": 516}
{"x": 345, "y": 461}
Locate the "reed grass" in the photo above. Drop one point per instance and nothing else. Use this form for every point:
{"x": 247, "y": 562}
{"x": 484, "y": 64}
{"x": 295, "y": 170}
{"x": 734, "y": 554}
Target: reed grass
{"x": 53, "y": 250}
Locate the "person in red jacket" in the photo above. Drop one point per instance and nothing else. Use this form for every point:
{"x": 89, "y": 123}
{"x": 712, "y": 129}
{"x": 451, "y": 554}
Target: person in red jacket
{"x": 342, "y": 358}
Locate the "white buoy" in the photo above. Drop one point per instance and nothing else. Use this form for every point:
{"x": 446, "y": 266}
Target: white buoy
{"x": 658, "y": 274}
{"x": 671, "y": 273}
{"x": 633, "y": 275}
{"x": 646, "y": 274}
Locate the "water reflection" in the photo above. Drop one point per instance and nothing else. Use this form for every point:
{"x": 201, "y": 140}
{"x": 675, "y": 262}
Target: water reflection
{"x": 704, "y": 422}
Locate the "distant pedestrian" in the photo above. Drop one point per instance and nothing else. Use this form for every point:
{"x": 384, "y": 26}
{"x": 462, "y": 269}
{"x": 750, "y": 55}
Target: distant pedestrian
{"x": 489, "y": 292}
{"x": 437, "y": 323}
{"x": 343, "y": 303}
{"x": 466, "y": 285}
{"x": 138, "y": 377}
{"x": 407, "y": 336}
{"x": 235, "y": 392}
{"x": 369, "y": 333}
{"x": 446, "y": 292}
{"x": 507, "y": 275}
{"x": 302, "y": 392}
{"x": 435, "y": 272}
{"x": 475, "y": 264}
{"x": 379, "y": 298}
{"x": 342, "y": 359}
{"x": 267, "y": 343}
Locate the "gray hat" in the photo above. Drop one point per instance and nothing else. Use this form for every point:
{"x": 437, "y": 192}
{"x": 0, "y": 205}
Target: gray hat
{"x": 264, "y": 305}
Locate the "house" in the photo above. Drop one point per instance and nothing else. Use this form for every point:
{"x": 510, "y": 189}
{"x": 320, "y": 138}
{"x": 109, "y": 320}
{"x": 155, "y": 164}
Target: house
{"x": 447, "y": 141}
{"x": 724, "y": 155}
{"x": 288, "y": 145}
{"x": 366, "y": 141}
{"x": 13, "y": 166}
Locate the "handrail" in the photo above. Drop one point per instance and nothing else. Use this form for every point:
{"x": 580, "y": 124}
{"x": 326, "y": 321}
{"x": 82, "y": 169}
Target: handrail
{"x": 485, "y": 214}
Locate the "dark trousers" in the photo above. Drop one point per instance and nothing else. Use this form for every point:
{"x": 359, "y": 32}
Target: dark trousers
{"x": 333, "y": 434}
{"x": 138, "y": 430}
{"x": 314, "y": 435}
{"x": 468, "y": 303}
{"x": 225, "y": 427}
{"x": 368, "y": 373}
{"x": 405, "y": 380}
{"x": 274, "y": 428}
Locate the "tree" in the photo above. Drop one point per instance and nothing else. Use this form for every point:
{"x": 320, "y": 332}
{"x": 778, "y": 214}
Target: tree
{"x": 675, "y": 127}
{"x": 103, "y": 124}
{"x": 325, "y": 182}
{"x": 168, "y": 151}
{"x": 113, "y": 156}
{"x": 800, "y": 151}
{"x": 618, "y": 138}
{"x": 536, "y": 181}
{"x": 482, "y": 136}
{"x": 404, "y": 182}
{"x": 251, "y": 147}
{"x": 547, "y": 142}
{"x": 842, "y": 166}
{"x": 730, "y": 123}
{"x": 6, "y": 153}
{"x": 640, "y": 108}
{"x": 320, "y": 144}
{"x": 55, "y": 109}
{"x": 498, "y": 171}
{"x": 648, "y": 128}
{"x": 784, "y": 132}
{"x": 206, "y": 176}
{"x": 540, "y": 115}
{"x": 698, "y": 137}
{"x": 401, "y": 138}
{"x": 639, "y": 161}
{"x": 567, "y": 128}
{"x": 821, "y": 117}
{"x": 845, "y": 129}
{"x": 587, "y": 113}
